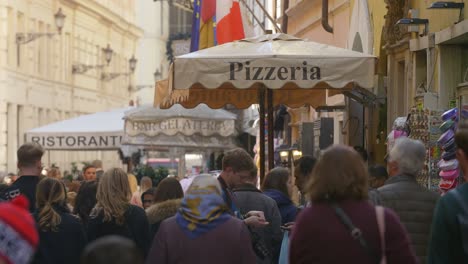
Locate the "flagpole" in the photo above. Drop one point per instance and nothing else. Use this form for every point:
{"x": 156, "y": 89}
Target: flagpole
{"x": 253, "y": 14}
{"x": 269, "y": 17}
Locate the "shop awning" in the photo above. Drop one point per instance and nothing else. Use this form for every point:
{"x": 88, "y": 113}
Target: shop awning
{"x": 198, "y": 128}
{"x": 98, "y": 131}
{"x": 299, "y": 72}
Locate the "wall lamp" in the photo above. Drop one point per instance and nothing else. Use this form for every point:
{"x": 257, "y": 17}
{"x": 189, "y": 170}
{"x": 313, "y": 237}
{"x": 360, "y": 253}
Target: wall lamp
{"x": 23, "y": 38}
{"x": 157, "y": 75}
{"x": 449, "y": 5}
{"x": 82, "y": 68}
{"x": 112, "y": 75}
{"x": 415, "y": 21}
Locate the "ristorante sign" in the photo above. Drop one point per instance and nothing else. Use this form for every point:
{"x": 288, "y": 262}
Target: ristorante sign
{"x": 183, "y": 126}
{"x": 76, "y": 142}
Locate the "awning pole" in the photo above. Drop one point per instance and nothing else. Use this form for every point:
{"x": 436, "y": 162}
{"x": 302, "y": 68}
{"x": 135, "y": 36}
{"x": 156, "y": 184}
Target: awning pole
{"x": 261, "y": 109}
{"x": 271, "y": 133}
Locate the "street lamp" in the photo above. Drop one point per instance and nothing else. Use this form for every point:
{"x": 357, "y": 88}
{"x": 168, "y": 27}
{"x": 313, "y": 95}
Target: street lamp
{"x": 295, "y": 152}
{"x": 112, "y": 75}
{"x": 23, "y": 38}
{"x": 82, "y": 68}
{"x": 449, "y": 5}
{"x": 283, "y": 151}
{"x": 415, "y": 21}
{"x": 157, "y": 74}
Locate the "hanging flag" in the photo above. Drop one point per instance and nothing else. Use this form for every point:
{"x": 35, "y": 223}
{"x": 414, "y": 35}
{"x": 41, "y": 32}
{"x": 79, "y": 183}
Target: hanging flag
{"x": 229, "y": 25}
{"x": 203, "y": 25}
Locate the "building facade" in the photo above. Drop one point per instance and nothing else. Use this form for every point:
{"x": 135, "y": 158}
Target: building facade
{"x": 60, "y": 76}
{"x": 349, "y": 120}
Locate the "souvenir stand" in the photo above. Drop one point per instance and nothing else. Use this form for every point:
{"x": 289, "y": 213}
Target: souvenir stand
{"x": 448, "y": 165}
{"x": 424, "y": 125}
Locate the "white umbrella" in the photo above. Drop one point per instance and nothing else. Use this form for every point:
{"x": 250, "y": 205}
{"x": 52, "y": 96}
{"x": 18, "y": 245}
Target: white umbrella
{"x": 98, "y": 131}
{"x": 279, "y": 68}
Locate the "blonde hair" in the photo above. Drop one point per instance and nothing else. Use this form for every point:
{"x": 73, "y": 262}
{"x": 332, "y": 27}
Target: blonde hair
{"x": 145, "y": 184}
{"x": 54, "y": 172}
{"x": 339, "y": 174}
{"x": 132, "y": 180}
{"x": 50, "y": 192}
{"x": 113, "y": 196}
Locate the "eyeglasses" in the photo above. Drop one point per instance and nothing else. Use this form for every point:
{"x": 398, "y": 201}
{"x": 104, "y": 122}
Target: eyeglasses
{"x": 147, "y": 201}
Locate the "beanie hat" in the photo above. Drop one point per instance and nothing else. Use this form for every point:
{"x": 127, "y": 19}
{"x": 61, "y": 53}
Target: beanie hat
{"x": 18, "y": 234}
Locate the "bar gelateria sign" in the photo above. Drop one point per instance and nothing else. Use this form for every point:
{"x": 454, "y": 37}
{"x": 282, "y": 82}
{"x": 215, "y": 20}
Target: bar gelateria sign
{"x": 184, "y": 126}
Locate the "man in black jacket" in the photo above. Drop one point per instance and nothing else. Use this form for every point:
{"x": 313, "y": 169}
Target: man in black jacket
{"x": 249, "y": 198}
{"x": 30, "y": 167}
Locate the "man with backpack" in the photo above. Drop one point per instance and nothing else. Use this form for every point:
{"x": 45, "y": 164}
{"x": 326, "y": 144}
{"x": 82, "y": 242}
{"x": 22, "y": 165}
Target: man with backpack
{"x": 449, "y": 236}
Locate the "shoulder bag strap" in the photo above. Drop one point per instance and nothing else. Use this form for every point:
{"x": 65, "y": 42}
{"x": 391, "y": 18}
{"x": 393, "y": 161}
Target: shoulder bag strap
{"x": 355, "y": 232}
{"x": 380, "y": 213}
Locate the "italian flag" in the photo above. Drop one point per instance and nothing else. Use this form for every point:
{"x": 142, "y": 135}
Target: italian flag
{"x": 229, "y": 21}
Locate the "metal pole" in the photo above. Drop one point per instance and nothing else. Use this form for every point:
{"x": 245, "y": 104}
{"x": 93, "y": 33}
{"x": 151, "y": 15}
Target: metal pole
{"x": 271, "y": 156}
{"x": 261, "y": 109}
{"x": 254, "y": 16}
{"x": 278, "y": 29}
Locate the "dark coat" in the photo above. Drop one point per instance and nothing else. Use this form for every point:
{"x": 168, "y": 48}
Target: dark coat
{"x": 63, "y": 246}
{"x": 229, "y": 243}
{"x": 286, "y": 207}
{"x": 445, "y": 245}
{"x": 136, "y": 228}
{"x": 161, "y": 211}
{"x": 414, "y": 205}
{"x": 320, "y": 237}
{"x": 25, "y": 185}
{"x": 249, "y": 198}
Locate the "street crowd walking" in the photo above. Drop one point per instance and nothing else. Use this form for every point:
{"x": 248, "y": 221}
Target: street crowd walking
{"x": 346, "y": 213}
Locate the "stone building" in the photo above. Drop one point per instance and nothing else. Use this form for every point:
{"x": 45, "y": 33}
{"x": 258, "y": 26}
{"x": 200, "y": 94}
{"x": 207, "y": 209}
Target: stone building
{"x": 45, "y": 78}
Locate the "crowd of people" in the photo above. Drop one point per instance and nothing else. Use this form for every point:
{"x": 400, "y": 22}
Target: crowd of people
{"x": 347, "y": 212}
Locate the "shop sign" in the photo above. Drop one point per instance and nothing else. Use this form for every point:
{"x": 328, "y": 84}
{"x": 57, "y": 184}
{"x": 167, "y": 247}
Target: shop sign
{"x": 76, "y": 142}
{"x": 184, "y": 126}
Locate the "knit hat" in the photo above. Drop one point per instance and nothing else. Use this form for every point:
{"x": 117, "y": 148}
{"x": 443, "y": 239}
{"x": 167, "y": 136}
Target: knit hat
{"x": 18, "y": 233}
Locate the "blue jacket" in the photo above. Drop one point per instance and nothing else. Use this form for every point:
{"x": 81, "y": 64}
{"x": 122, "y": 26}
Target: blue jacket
{"x": 286, "y": 207}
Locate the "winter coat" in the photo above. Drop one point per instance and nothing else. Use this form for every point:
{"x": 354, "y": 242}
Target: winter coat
{"x": 249, "y": 198}
{"x": 161, "y": 211}
{"x": 286, "y": 207}
{"x": 63, "y": 246}
{"x": 414, "y": 205}
{"x": 445, "y": 245}
{"x": 320, "y": 237}
{"x": 229, "y": 243}
{"x": 25, "y": 185}
{"x": 136, "y": 227}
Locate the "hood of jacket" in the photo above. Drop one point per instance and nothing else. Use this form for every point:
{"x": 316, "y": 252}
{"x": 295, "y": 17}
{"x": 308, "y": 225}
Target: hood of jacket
{"x": 280, "y": 198}
{"x": 161, "y": 211}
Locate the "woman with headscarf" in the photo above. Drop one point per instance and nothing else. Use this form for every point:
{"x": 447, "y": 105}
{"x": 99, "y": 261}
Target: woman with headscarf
{"x": 202, "y": 231}
{"x": 113, "y": 213}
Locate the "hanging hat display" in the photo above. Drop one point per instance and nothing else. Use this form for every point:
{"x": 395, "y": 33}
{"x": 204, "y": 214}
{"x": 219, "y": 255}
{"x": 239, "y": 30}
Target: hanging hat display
{"x": 448, "y": 165}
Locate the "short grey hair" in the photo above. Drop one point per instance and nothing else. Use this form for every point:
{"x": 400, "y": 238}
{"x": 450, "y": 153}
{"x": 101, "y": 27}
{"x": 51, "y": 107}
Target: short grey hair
{"x": 409, "y": 154}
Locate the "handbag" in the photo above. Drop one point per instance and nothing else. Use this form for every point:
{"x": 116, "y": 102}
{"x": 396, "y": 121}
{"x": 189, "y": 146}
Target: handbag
{"x": 357, "y": 234}
{"x": 284, "y": 252}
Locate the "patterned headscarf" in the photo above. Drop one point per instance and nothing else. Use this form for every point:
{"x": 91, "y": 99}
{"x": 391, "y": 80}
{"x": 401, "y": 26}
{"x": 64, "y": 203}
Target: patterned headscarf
{"x": 203, "y": 207}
